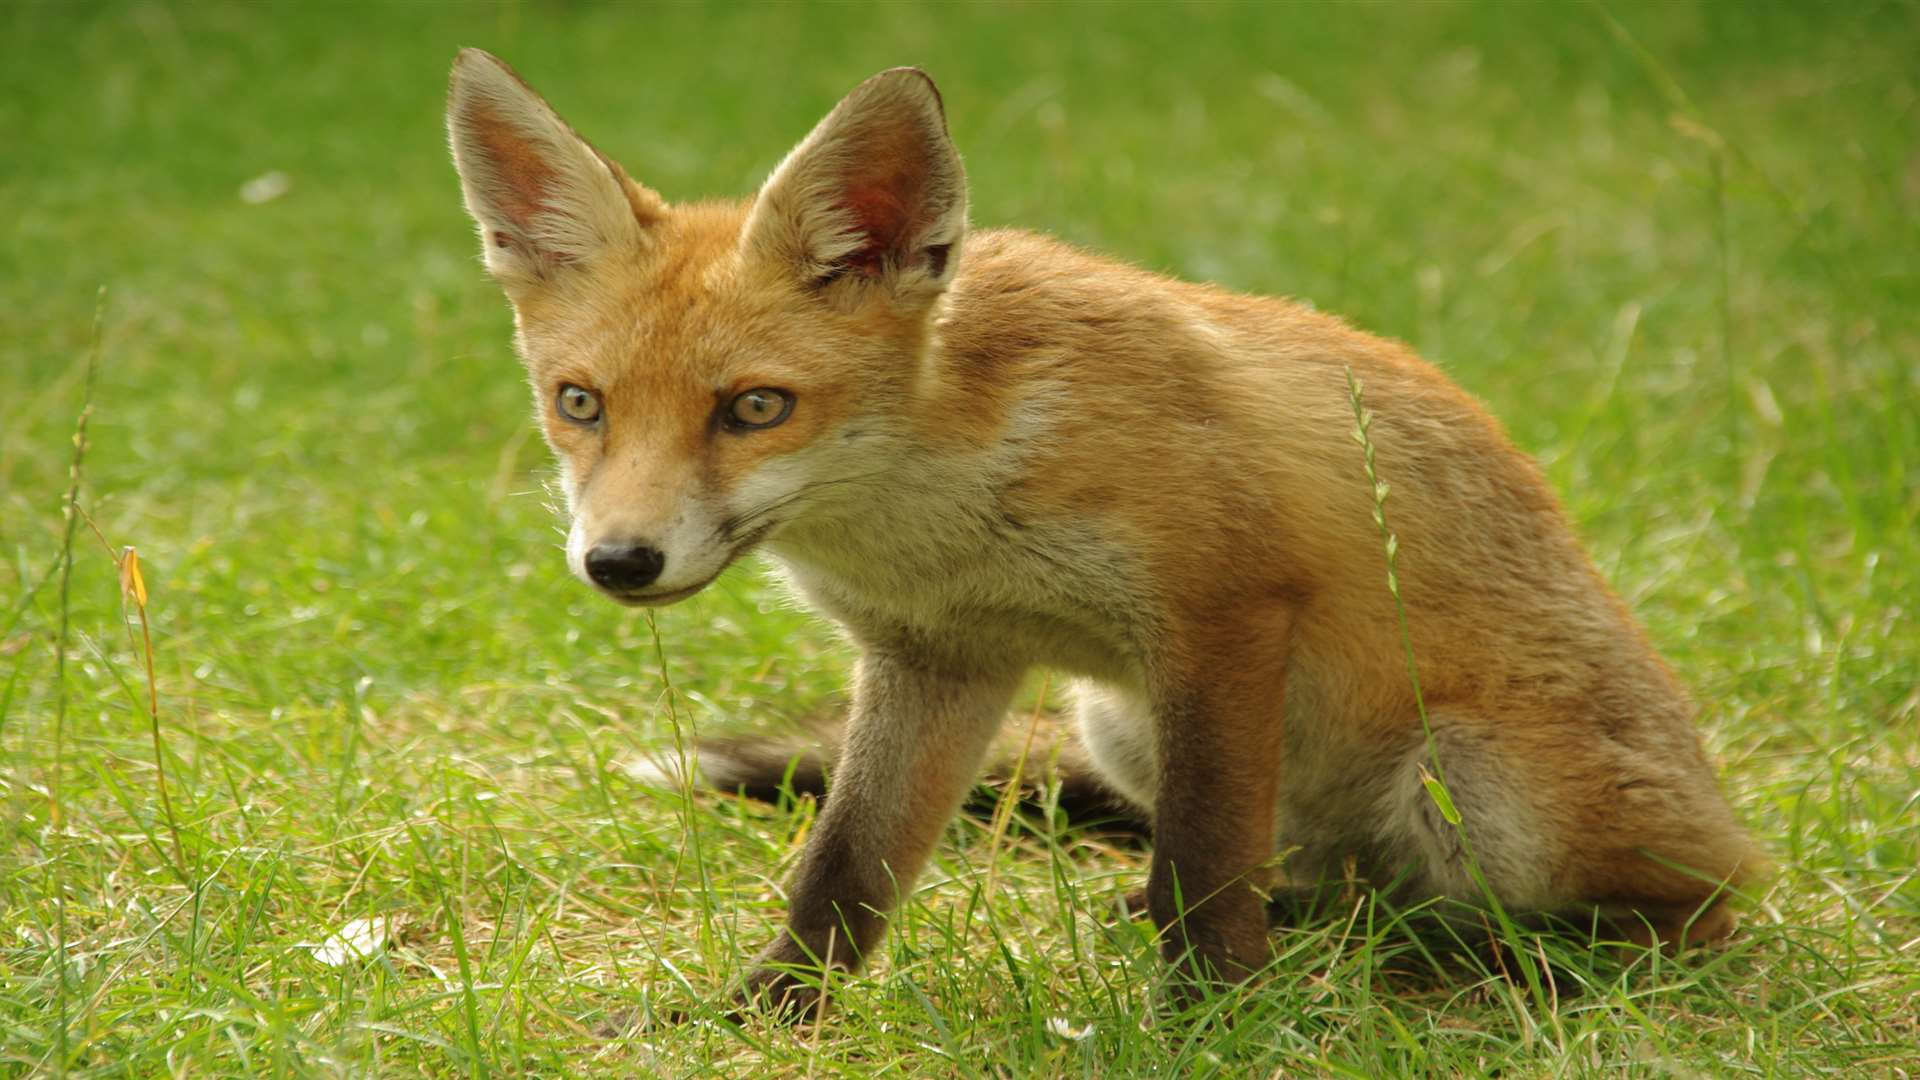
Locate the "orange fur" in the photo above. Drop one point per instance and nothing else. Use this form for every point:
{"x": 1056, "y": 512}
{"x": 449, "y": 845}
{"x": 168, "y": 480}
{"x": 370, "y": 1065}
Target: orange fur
{"x": 1003, "y": 452}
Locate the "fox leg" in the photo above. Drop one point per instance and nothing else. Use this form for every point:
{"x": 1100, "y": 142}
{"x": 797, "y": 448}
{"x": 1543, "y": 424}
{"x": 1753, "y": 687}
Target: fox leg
{"x": 1218, "y": 742}
{"x": 914, "y": 743}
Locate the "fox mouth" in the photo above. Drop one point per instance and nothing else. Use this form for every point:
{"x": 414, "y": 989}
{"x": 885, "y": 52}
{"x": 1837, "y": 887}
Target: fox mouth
{"x": 659, "y": 599}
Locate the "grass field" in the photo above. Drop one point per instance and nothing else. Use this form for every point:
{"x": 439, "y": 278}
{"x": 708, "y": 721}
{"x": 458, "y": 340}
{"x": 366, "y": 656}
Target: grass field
{"x": 1675, "y": 246}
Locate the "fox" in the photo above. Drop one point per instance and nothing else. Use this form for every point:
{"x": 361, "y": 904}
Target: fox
{"x": 983, "y": 451}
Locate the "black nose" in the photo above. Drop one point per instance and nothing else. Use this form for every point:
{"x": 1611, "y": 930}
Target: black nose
{"x": 624, "y": 567}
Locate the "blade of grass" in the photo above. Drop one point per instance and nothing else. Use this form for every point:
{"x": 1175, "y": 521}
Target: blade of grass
{"x": 1436, "y": 782}
{"x": 71, "y": 513}
{"x": 1003, "y": 811}
{"x": 683, "y": 739}
{"x": 469, "y": 1001}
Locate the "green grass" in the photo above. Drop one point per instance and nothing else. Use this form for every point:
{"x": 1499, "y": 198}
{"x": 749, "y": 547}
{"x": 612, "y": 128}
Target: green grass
{"x": 1674, "y": 246}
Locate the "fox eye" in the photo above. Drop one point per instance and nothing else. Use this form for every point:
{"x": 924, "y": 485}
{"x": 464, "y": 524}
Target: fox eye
{"x": 759, "y": 408}
{"x": 578, "y": 404}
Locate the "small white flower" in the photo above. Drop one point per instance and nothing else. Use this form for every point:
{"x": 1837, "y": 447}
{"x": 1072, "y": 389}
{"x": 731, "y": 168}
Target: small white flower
{"x": 359, "y": 939}
{"x": 266, "y": 187}
{"x": 1066, "y": 1028}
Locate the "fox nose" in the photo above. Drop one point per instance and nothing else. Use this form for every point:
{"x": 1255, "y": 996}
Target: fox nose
{"x": 624, "y": 568}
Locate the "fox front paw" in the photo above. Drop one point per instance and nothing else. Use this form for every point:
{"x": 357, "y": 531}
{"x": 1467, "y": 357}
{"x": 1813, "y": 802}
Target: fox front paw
{"x": 1212, "y": 951}
{"x": 1197, "y": 981}
{"x": 784, "y": 993}
{"x": 788, "y": 981}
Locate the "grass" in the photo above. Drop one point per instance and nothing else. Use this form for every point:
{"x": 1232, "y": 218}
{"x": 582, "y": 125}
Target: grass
{"x": 1671, "y": 244}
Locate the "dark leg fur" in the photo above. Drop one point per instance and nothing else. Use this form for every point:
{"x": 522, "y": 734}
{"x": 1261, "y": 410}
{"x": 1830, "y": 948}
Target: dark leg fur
{"x": 913, "y": 745}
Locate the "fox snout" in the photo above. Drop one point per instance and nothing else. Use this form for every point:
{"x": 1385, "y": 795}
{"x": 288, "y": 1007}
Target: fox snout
{"x": 645, "y": 560}
{"x": 632, "y": 569}
{"x": 642, "y": 573}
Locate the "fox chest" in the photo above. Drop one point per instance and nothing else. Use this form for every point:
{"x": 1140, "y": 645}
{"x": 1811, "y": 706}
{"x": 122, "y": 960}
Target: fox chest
{"x": 989, "y": 592}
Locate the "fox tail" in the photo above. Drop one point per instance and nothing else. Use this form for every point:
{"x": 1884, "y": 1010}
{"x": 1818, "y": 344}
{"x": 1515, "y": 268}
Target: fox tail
{"x": 1036, "y": 751}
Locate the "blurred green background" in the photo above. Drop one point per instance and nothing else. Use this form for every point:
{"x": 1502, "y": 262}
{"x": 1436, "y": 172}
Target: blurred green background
{"x": 1673, "y": 245}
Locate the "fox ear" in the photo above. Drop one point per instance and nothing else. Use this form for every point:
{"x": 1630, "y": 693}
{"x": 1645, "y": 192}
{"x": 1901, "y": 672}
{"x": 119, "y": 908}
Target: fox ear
{"x": 874, "y": 193}
{"x": 544, "y": 199}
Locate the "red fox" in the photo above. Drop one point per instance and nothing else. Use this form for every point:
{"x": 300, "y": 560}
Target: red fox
{"x": 981, "y": 451}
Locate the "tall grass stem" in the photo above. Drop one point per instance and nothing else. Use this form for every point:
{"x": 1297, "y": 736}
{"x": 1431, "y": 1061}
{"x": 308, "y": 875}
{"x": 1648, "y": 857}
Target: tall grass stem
{"x": 57, "y": 826}
{"x": 683, "y": 739}
{"x": 1436, "y": 781}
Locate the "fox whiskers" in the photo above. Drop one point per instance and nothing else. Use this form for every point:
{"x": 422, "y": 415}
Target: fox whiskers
{"x": 738, "y": 525}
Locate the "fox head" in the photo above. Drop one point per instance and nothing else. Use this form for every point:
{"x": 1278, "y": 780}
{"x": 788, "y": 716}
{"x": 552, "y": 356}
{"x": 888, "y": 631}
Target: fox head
{"x": 712, "y": 373}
